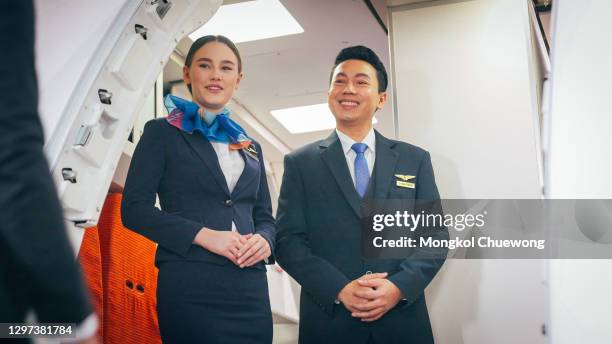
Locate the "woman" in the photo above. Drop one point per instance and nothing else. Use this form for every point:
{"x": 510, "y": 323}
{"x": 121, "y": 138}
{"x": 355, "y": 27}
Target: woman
{"x": 215, "y": 228}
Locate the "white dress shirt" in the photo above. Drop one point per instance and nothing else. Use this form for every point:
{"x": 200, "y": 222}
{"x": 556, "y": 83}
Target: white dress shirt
{"x": 350, "y": 155}
{"x": 231, "y": 164}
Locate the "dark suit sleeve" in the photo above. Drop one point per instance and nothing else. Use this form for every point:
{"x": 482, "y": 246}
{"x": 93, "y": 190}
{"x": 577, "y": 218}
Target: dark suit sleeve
{"x": 138, "y": 211}
{"x": 418, "y": 270}
{"x": 36, "y": 259}
{"x": 262, "y": 211}
{"x": 316, "y": 276}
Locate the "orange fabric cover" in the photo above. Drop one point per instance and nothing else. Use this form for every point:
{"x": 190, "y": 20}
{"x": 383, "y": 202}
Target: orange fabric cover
{"x": 91, "y": 264}
{"x": 123, "y": 265}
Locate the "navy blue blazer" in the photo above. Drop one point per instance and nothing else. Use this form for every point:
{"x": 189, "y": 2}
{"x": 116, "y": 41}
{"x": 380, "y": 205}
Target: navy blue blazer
{"x": 184, "y": 171}
{"x": 319, "y": 241}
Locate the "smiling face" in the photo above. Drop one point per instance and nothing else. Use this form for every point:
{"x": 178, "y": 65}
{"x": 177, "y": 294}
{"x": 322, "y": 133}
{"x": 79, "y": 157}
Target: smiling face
{"x": 213, "y": 75}
{"x": 353, "y": 95}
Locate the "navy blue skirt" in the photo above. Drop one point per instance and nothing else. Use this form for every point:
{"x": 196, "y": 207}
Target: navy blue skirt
{"x": 200, "y": 302}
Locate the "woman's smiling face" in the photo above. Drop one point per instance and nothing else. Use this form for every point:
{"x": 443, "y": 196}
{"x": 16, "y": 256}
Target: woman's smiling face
{"x": 214, "y": 75}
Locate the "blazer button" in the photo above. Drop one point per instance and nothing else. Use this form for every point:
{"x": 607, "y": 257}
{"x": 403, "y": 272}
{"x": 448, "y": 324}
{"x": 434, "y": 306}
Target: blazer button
{"x": 228, "y": 203}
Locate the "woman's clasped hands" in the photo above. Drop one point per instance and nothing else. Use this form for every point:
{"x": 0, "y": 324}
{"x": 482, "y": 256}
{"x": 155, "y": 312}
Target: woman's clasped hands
{"x": 243, "y": 250}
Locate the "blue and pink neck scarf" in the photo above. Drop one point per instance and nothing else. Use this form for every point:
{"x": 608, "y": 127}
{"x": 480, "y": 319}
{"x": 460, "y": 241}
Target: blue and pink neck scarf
{"x": 216, "y": 127}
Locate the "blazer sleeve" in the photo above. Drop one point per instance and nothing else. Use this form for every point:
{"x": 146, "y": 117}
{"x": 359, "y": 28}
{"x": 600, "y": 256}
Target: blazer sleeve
{"x": 138, "y": 211}
{"x": 417, "y": 271}
{"x": 37, "y": 263}
{"x": 262, "y": 211}
{"x": 34, "y": 245}
{"x": 316, "y": 275}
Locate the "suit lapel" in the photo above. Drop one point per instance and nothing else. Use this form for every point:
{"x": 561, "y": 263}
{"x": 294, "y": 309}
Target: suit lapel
{"x": 250, "y": 168}
{"x": 207, "y": 154}
{"x": 333, "y": 156}
{"x": 384, "y": 165}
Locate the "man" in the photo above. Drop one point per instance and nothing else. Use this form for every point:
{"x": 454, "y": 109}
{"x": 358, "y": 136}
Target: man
{"x": 345, "y": 298}
{"x": 38, "y": 270}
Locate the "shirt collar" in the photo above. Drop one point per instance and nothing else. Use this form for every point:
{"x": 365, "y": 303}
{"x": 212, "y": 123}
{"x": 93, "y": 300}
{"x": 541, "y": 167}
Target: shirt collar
{"x": 347, "y": 142}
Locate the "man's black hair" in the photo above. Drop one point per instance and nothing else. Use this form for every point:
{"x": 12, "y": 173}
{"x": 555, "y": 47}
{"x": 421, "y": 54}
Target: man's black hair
{"x": 359, "y": 52}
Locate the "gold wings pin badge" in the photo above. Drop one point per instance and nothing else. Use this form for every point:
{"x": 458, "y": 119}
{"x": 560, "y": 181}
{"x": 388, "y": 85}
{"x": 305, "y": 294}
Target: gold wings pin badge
{"x": 403, "y": 181}
{"x": 251, "y": 151}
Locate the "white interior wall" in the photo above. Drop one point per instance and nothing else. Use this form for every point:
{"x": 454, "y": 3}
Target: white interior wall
{"x": 462, "y": 70}
{"x": 465, "y": 91}
{"x": 579, "y": 163}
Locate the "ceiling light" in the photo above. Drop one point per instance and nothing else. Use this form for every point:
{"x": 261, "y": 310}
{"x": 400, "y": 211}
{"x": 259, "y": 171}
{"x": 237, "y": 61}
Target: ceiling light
{"x": 250, "y": 21}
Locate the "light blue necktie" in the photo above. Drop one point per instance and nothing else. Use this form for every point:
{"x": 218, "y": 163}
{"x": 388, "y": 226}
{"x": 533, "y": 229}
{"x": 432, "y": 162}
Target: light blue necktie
{"x": 362, "y": 175}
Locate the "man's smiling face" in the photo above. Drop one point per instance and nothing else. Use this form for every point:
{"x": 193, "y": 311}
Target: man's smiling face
{"x": 353, "y": 95}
